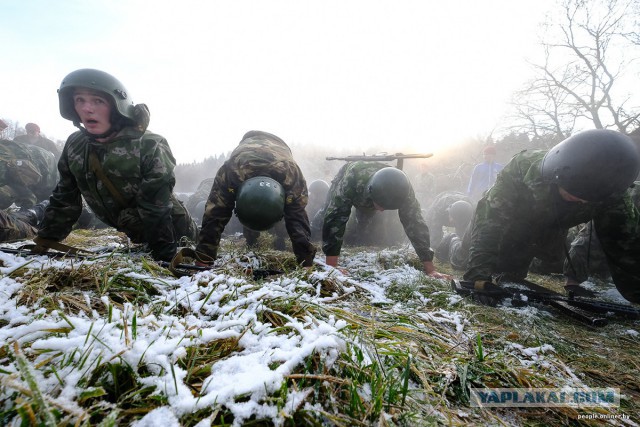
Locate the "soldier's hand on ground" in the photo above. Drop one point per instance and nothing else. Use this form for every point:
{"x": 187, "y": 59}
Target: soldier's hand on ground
{"x": 430, "y": 270}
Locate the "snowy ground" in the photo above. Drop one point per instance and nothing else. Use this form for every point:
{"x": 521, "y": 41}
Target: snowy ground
{"x": 67, "y": 346}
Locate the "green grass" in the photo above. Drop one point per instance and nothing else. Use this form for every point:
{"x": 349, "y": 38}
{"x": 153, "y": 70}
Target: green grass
{"x": 407, "y": 361}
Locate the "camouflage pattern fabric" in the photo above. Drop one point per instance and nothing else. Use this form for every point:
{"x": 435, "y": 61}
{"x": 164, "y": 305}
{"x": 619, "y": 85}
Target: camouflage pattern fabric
{"x": 259, "y": 154}
{"x": 586, "y": 257}
{"x": 40, "y": 141}
{"x": 349, "y": 189}
{"x": 140, "y": 166}
{"x": 12, "y": 228}
{"x": 437, "y": 215}
{"x": 522, "y": 217}
{"x": 27, "y": 174}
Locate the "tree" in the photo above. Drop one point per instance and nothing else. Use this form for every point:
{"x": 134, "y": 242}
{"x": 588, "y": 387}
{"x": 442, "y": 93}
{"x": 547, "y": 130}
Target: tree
{"x": 581, "y": 79}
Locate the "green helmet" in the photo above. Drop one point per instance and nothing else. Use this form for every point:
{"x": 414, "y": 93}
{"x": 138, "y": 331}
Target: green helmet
{"x": 95, "y": 80}
{"x": 593, "y": 165}
{"x": 389, "y": 188}
{"x": 260, "y": 203}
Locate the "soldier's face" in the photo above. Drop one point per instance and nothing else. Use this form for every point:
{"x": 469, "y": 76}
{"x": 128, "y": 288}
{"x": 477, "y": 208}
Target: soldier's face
{"x": 94, "y": 110}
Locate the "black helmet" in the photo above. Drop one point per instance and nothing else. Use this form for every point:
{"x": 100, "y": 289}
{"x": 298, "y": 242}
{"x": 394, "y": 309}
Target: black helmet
{"x": 592, "y": 165}
{"x": 461, "y": 213}
{"x": 389, "y": 188}
{"x": 260, "y": 203}
{"x": 318, "y": 189}
{"x": 99, "y": 81}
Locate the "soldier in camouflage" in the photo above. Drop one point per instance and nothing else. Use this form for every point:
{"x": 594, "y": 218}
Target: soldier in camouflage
{"x": 437, "y": 216}
{"x": 539, "y": 195}
{"x": 27, "y": 175}
{"x": 123, "y": 171}
{"x": 586, "y": 257}
{"x": 371, "y": 187}
{"x": 34, "y": 137}
{"x": 259, "y": 154}
{"x": 200, "y": 195}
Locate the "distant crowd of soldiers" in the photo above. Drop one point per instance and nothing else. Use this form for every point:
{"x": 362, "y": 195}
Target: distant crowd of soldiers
{"x": 511, "y": 219}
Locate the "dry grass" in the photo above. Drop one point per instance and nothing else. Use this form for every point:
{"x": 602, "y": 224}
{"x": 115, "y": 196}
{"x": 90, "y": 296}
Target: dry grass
{"x": 410, "y": 360}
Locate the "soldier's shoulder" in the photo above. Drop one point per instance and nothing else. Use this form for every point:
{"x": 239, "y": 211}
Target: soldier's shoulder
{"x": 150, "y": 141}
{"x": 525, "y": 159}
{"x": 21, "y": 138}
{"x": 39, "y": 151}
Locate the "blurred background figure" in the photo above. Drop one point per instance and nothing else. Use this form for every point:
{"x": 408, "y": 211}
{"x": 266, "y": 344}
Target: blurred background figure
{"x": 484, "y": 174}
{"x": 33, "y": 137}
{"x": 318, "y": 191}
{"x": 3, "y": 126}
{"x": 448, "y": 209}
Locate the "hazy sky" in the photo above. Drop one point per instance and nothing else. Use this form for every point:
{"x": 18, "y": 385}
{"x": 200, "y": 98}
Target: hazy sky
{"x": 351, "y": 73}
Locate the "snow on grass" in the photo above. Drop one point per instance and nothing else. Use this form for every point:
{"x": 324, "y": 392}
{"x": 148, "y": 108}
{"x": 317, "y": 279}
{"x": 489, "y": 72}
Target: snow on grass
{"x": 253, "y": 335}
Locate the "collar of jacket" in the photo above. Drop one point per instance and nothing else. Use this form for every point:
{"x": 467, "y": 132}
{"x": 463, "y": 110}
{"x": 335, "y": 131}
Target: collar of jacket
{"x": 267, "y": 135}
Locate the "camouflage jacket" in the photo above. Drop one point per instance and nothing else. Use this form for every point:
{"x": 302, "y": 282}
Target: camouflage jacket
{"x": 259, "y": 154}
{"x": 520, "y": 207}
{"x": 585, "y": 254}
{"x": 28, "y": 174}
{"x": 40, "y": 141}
{"x": 140, "y": 167}
{"x": 349, "y": 189}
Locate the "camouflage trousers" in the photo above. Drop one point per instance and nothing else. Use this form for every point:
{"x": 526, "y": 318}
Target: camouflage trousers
{"x": 12, "y": 228}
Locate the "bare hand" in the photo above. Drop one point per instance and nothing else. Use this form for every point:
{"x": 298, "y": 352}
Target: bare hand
{"x": 437, "y": 275}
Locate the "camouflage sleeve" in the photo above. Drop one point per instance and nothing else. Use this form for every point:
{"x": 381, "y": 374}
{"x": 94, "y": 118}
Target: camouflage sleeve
{"x": 154, "y": 201}
{"x": 576, "y": 266}
{"x": 337, "y": 212}
{"x": 415, "y": 228}
{"x": 296, "y": 219}
{"x": 492, "y": 212}
{"x": 21, "y": 195}
{"x": 217, "y": 213}
{"x": 618, "y": 228}
{"x": 65, "y": 204}
{"x": 45, "y": 161}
